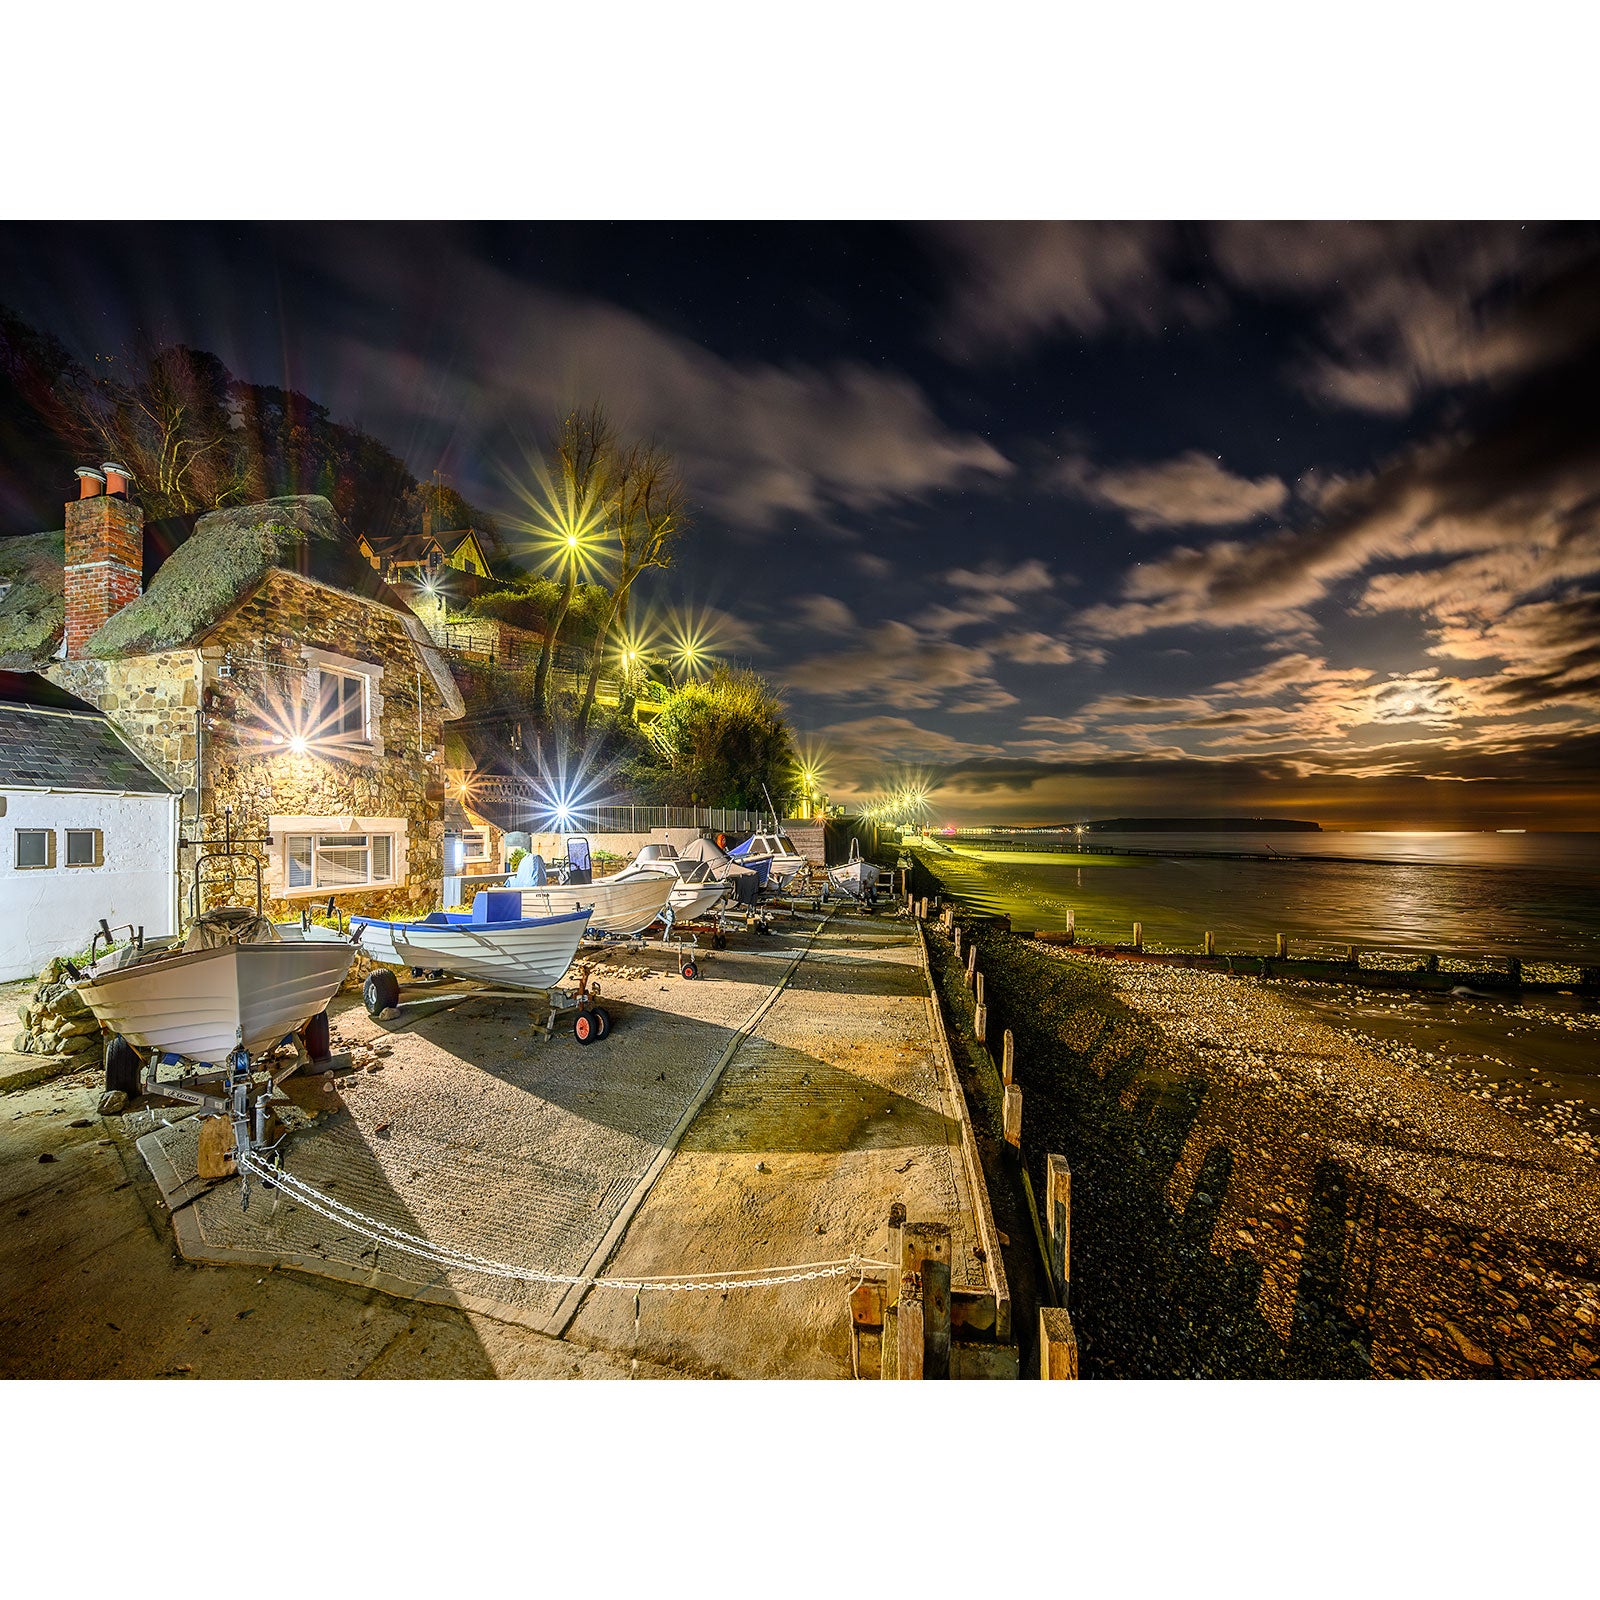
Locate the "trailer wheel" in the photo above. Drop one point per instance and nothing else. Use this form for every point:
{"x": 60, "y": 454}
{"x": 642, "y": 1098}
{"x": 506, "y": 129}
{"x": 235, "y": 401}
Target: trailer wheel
{"x": 316, "y": 1037}
{"x": 123, "y": 1066}
{"x": 689, "y": 970}
{"x": 602, "y": 1022}
{"x": 584, "y": 1027}
{"x": 380, "y": 991}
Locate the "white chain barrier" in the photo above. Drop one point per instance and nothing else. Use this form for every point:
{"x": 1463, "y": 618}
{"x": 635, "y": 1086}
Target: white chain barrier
{"x": 457, "y": 1260}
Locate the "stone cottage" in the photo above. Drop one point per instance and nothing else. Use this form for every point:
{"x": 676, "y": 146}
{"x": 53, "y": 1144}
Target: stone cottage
{"x": 267, "y": 671}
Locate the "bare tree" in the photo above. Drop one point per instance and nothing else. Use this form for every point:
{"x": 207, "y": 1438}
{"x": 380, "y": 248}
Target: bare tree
{"x": 646, "y": 516}
{"x": 582, "y": 487}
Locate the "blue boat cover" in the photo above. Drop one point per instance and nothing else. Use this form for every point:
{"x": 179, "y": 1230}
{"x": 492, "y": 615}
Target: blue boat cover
{"x": 497, "y": 905}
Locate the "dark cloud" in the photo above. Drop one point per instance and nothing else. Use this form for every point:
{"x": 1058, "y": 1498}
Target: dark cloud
{"x": 1013, "y": 281}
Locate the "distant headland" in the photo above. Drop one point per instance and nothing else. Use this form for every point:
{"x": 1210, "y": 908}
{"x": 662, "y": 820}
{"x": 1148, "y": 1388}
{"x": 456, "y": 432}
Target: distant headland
{"x": 1198, "y": 825}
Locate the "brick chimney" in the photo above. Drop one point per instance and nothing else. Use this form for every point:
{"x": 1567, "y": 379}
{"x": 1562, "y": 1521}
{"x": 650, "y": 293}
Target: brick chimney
{"x": 105, "y": 552}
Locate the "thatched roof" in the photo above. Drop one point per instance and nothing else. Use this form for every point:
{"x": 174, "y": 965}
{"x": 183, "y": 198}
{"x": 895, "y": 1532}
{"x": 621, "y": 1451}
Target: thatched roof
{"x": 226, "y": 558}
{"x": 214, "y": 570}
{"x": 32, "y": 611}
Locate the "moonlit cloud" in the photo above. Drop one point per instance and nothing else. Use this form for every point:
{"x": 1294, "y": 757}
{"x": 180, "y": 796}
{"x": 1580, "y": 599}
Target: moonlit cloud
{"x": 1190, "y": 490}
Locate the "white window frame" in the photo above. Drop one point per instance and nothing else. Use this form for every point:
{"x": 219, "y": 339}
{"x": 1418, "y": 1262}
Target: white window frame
{"x": 319, "y": 846}
{"x": 48, "y": 864}
{"x": 97, "y": 853}
{"x": 288, "y": 830}
{"x": 480, "y": 836}
{"x": 369, "y": 739}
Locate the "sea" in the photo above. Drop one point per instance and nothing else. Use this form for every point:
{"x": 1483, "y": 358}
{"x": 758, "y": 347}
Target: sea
{"x": 1531, "y": 895}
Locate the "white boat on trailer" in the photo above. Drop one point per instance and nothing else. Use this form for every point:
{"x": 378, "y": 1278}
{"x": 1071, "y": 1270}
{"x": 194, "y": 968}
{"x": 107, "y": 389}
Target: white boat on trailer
{"x": 493, "y": 942}
{"x": 693, "y": 891}
{"x": 245, "y": 987}
{"x": 856, "y": 877}
{"x": 777, "y": 849}
{"x": 618, "y": 906}
{"x": 494, "y": 948}
{"x": 215, "y": 1007}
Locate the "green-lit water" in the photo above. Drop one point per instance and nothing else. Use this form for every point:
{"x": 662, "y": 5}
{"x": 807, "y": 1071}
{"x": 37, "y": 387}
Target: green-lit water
{"x": 1545, "y": 907}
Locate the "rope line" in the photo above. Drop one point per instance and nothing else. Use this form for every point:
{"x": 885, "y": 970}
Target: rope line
{"x": 458, "y": 1260}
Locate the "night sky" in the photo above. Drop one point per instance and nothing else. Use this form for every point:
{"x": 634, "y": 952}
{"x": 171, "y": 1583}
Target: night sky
{"x": 1069, "y": 520}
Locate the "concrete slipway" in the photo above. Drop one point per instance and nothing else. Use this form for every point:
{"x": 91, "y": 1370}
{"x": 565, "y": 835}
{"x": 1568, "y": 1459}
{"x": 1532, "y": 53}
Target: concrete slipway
{"x": 763, "y": 1115}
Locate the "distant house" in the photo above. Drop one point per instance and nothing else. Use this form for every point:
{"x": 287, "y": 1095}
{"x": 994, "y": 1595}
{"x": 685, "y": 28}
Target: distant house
{"x": 414, "y": 557}
{"x": 87, "y": 829}
{"x": 267, "y": 670}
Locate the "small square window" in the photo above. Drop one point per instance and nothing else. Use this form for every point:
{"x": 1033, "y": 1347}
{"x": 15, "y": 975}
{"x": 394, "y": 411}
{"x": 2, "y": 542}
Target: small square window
{"x": 36, "y": 847}
{"x": 85, "y": 847}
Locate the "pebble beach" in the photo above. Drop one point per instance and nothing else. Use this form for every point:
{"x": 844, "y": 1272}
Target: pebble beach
{"x": 1266, "y": 1185}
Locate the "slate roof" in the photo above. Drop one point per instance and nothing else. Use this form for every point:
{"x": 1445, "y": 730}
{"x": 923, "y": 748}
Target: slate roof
{"x": 50, "y": 739}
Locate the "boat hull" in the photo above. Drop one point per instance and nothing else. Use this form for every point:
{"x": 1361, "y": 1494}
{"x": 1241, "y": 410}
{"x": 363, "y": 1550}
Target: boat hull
{"x": 620, "y": 906}
{"x": 194, "y": 1003}
{"x": 532, "y": 954}
{"x": 854, "y": 877}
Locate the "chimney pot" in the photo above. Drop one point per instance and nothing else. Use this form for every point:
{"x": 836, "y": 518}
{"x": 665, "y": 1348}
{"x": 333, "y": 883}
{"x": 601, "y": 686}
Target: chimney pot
{"x": 118, "y": 478}
{"x": 90, "y": 483}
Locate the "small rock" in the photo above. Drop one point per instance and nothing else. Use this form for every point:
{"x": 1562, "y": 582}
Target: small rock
{"x": 1474, "y": 1353}
{"x": 1582, "y": 1354}
{"x": 112, "y": 1102}
{"x": 80, "y": 1122}
{"x": 374, "y": 1066}
{"x": 46, "y": 1157}
{"x": 761, "y": 1166}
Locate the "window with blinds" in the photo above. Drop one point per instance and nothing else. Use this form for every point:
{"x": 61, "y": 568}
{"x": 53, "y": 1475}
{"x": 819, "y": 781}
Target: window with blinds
{"x": 339, "y": 860}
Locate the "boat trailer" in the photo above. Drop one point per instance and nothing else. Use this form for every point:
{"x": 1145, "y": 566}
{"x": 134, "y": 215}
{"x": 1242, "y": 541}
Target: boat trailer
{"x": 381, "y": 993}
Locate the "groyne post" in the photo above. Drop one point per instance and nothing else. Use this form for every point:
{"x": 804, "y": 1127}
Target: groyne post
{"x": 972, "y": 963}
{"x": 908, "y": 1327}
{"x": 897, "y": 1223}
{"x": 1282, "y": 950}
{"x": 977, "y": 987}
{"x": 925, "y": 1268}
{"x": 1011, "y": 1115}
{"x": 1350, "y": 957}
{"x": 1514, "y": 969}
{"x": 1138, "y": 936}
{"x": 1008, "y": 1056}
{"x": 1071, "y": 929}
{"x": 1058, "y": 1222}
{"x": 980, "y": 1022}
{"x": 923, "y": 914}
{"x": 1058, "y": 1345}
{"x": 1210, "y": 946}
{"x": 956, "y": 935}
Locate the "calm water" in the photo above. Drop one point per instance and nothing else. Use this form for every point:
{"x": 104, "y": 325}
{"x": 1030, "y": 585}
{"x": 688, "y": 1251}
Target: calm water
{"x": 1535, "y": 895}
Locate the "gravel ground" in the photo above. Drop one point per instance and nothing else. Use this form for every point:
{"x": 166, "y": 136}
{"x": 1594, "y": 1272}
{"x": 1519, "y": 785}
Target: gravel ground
{"x": 1259, "y": 1190}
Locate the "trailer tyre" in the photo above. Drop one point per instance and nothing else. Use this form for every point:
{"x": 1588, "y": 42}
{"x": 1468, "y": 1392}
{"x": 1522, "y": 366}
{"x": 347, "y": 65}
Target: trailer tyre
{"x": 602, "y": 1022}
{"x": 584, "y": 1027}
{"x": 690, "y": 970}
{"x": 123, "y": 1066}
{"x": 316, "y": 1037}
{"x": 380, "y": 991}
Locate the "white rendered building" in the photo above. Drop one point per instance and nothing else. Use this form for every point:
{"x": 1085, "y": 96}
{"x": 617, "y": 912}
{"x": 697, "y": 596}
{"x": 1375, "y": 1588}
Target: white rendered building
{"x": 87, "y": 830}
